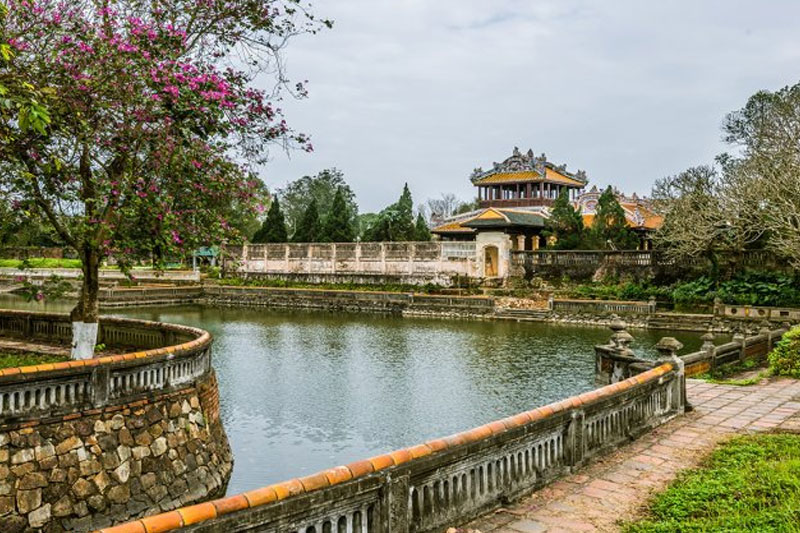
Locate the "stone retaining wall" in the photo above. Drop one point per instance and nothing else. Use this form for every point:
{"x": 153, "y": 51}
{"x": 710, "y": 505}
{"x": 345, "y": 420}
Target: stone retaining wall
{"x": 85, "y": 444}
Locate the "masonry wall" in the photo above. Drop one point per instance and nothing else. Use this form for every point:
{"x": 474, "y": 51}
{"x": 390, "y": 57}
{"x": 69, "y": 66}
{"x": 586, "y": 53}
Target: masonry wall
{"x": 88, "y": 470}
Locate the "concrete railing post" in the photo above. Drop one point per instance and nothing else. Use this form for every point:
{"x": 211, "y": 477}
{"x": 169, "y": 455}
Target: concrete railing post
{"x": 710, "y": 349}
{"x": 101, "y": 385}
{"x": 651, "y": 305}
{"x": 766, "y": 332}
{"x": 357, "y": 252}
{"x": 383, "y": 258}
{"x": 286, "y": 254}
{"x": 551, "y": 303}
{"x": 741, "y": 339}
{"x": 394, "y": 505}
{"x": 668, "y": 350}
{"x": 244, "y": 258}
{"x": 333, "y": 258}
{"x": 575, "y": 438}
{"x": 309, "y": 253}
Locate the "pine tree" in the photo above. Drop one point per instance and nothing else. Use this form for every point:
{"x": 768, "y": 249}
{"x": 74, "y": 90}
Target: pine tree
{"x": 565, "y": 224}
{"x": 396, "y": 222}
{"x": 309, "y": 228}
{"x": 404, "y": 226}
{"x": 610, "y": 227}
{"x": 274, "y": 227}
{"x": 338, "y": 226}
{"x": 421, "y": 230}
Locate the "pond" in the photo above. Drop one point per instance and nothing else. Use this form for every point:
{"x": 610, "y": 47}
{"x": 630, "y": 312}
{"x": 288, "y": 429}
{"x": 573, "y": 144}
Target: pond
{"x": 304, "y": 391}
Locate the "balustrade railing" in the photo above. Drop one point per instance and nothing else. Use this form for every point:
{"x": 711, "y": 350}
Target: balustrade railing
{"x": 171, "y": 357}
{"x": 446, "y": 481}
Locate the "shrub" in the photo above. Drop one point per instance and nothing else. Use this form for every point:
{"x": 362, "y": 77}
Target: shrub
{"x": 784, "y": 360}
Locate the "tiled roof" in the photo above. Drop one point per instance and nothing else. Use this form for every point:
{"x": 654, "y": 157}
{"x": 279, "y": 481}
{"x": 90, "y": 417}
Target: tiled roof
{"x": 510, "y": 177}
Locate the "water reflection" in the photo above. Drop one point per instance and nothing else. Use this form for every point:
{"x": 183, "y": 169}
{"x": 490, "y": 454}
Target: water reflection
{"x": 303, "y": 391}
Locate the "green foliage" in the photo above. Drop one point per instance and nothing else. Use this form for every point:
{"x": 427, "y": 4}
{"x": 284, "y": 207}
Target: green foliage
{"x": 784, "y": 360}
{"x": 628, "y": 290}
{"x": 11, "y": 360}
{"x": 421, "y": 230}
{"x": 323, "y": 189}
{"x": 610, "y": 227}
{"x": 746, "y": 288}
{"x": 565, "y": 224}
{"x": 396, "y": 222}
{"x": 309, "y": 229}
{"x": 751, "y": 483}
{"x": 274, "y": 227}
{"x": 339, "y": 225}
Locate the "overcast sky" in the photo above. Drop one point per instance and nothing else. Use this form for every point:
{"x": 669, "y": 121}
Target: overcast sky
{"x": 629, "y": 90}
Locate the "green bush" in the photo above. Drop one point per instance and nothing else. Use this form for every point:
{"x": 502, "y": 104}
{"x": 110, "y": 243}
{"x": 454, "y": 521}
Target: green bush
{"x": 784, "y": 360}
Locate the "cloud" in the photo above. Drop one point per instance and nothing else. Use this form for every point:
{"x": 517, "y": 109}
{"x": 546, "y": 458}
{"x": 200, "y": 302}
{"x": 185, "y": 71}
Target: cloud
{"x": 421, "y": 91}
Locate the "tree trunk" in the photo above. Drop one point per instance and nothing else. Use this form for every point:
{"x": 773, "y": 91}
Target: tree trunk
{"x": 86, "y": 312}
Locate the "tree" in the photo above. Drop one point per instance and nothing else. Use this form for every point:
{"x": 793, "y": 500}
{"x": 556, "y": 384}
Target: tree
{"x": 274, "y": 227}
{"x": 396, "y": 222}
{"x": 322, "y": 188}
{"x": 421, "y": 230}
{"x": 309, "y": 229}
{"x": 565, "y": 224}
{"x": 764, "y": 176}
{"x": 610, "y": 227}
{"x": 339, "y": 225}
{"x": 140, "y": 117}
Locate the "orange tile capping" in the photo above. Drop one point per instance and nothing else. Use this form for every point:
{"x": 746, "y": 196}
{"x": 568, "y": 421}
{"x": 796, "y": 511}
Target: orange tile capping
{"x": 197, "y": 513}
{"x": 203, "y": 339}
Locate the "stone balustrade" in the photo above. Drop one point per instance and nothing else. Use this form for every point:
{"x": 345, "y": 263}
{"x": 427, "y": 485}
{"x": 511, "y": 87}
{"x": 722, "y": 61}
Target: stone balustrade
{"x": 410, "y": 260}
{"x": 172, "y": 357}
{"x": 445, "y": 481}
{"x": 602, "y": 306}
{"x": 615, "y": 361}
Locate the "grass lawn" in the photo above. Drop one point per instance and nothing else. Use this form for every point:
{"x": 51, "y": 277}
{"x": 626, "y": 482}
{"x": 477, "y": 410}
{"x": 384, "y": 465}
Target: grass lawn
{"x": 751, "y": 483}
{"x": 41, "y": 262}
{"x": 10, "y": 360}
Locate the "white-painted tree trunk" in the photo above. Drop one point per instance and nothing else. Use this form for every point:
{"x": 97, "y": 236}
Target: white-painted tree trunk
{"x": 84, "y": 339}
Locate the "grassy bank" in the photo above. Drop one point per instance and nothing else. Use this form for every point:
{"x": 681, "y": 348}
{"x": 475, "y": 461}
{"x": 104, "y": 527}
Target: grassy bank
{"x": 40, "y": 262}
{"x": 751, "y": 483}
{"x": 11, "y": 360}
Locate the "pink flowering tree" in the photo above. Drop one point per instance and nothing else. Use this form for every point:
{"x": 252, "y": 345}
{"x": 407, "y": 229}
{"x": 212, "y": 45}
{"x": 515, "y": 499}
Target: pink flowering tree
{"x": 153, "y": 124}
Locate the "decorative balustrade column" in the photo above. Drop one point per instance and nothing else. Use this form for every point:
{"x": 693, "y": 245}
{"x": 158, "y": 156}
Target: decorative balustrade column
{"x": 710, "y": 349}
{"x": 668, "y": 350}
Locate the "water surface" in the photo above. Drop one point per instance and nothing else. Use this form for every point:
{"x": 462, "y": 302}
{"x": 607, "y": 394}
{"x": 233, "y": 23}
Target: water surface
{"x": 303, "y": 391}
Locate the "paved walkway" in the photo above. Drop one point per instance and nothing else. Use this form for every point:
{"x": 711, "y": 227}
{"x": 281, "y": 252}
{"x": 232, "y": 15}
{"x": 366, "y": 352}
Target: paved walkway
{"x": 617, "y": 486}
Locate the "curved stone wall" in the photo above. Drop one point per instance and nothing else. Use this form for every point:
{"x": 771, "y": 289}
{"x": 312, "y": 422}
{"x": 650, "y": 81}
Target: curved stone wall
{"x": 86, "y": 444}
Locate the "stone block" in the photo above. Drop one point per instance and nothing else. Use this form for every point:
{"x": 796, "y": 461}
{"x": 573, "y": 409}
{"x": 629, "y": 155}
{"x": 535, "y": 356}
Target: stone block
{"x": 100, "y": 427}
{"x": 23, "y": 456}
{"x": 58, "y": 475}
{"x": 45, "y": 451}
{"x": 49, "y": 463}
{"x": 6, "y": 505}
{"x": 143, "y": 438}
{"x": 123, "y": 452}
{"x": 69, "y": 444}
{"x": 140, "y": 452}
{"x": 117, "y": 422}
{"x": 125, "y": 437}
{"x": 97, "y": 503}
{"x": 148, "y": 480}
{"x": 28, "y": 500}
{"x": 119, "y": 494}
{"x": 102, "y": 481}
{"x": 34, "y": 480}
{"x": 159, "y": 446}
{"x": 62, "y": 507}
{"x": 83, "y": 489}
{"x": 90, "y": 467}
{"x": 40, "y": 516}
{"x": 122, "y": 472}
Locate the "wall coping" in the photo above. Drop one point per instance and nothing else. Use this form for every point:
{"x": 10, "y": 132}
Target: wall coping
{"x": 207, "y": 511}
